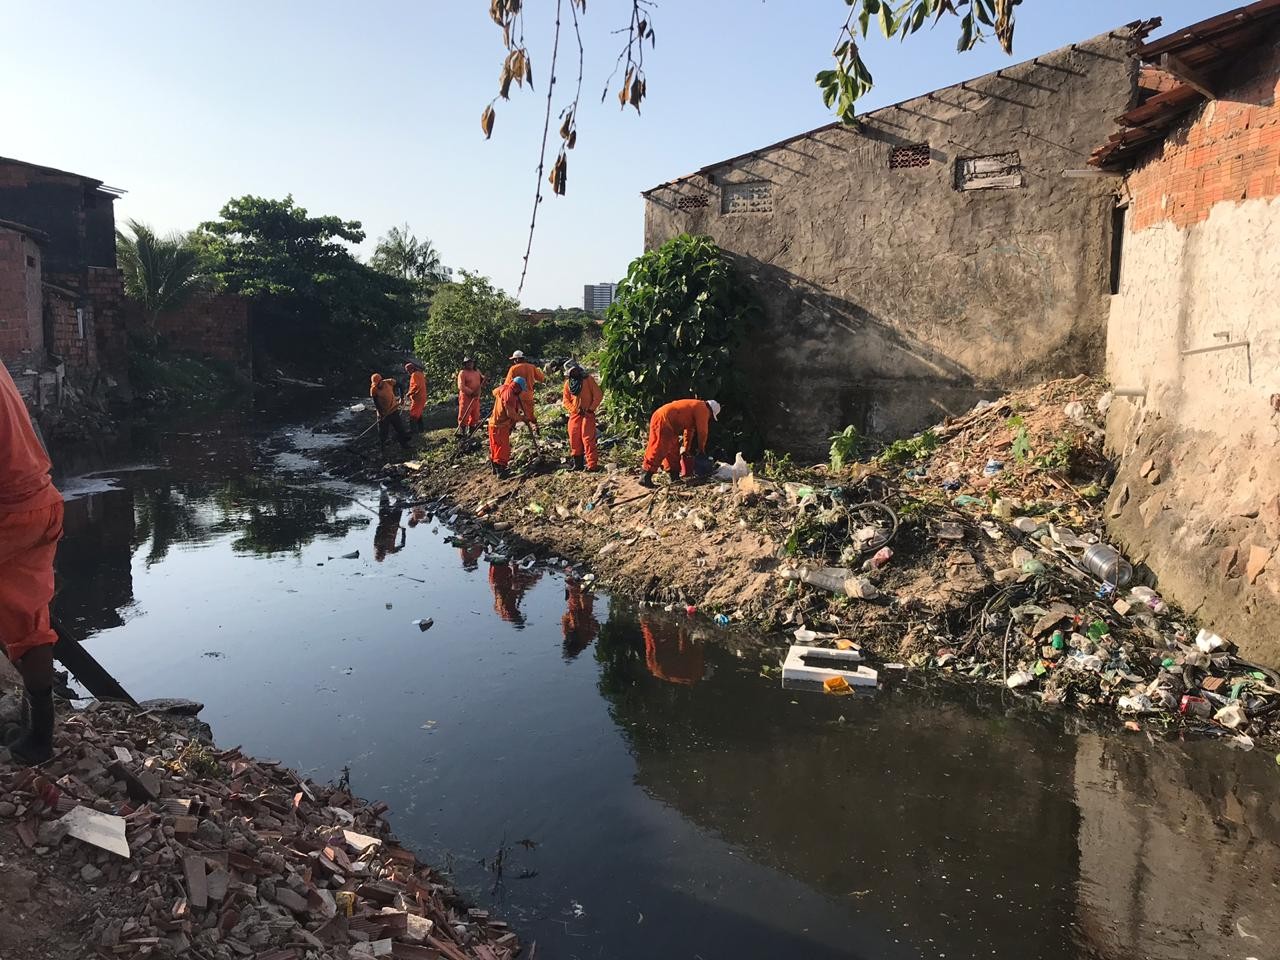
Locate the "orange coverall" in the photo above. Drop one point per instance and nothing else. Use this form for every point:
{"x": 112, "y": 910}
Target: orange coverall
{"x": 469, "y": 384}
{"x": 417, "y": 395}
{"x": 508, "y": 410}
{"x": 578, "y": 623}
{"x": 582, "y": 419}
{"x": 670, "y": 654}
{"x": 532, "y": 375}
{"x": 30, "y": 528}
{"x": 510, "y": 584}
{"x": 688, "y": 418}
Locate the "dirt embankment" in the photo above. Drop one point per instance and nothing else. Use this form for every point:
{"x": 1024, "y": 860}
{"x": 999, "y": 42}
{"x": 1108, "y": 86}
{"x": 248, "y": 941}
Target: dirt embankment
{"x": 959, "y": 550}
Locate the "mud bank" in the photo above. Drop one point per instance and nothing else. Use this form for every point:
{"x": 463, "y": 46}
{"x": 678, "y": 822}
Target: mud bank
{"x": 959, "y": 550}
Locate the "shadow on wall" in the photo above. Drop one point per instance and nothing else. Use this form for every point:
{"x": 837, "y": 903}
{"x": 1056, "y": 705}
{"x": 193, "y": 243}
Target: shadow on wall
{"x": 820, "y": 362}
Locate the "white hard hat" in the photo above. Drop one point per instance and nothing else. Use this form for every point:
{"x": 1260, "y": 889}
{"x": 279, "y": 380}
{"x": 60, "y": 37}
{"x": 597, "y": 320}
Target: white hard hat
{"x": 518, "y": 355}
{"x": 715, "y": 409}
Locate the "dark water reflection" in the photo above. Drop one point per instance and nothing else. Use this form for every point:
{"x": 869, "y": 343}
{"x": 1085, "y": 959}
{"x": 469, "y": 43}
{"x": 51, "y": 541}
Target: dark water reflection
{"x": 647, "y": 792}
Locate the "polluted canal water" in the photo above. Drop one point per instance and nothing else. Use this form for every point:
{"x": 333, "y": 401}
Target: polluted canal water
{"x": 619, "y": 783}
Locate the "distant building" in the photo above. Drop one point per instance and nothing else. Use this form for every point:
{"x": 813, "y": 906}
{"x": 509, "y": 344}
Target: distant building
{"x": 596, "y": 297}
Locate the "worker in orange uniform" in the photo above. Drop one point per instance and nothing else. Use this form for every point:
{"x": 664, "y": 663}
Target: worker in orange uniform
{"x": 417, "y": 395}
{"x": 386, "y": 401}
{"x": 689, "y": 420}
{"x": 30, "y": 527}
{"x": 579, "y": 623}
{"x": 670, "y": 653}
{"x": 508, "y": 410}
{"x": 581, "y": 399}
{"x": 470, "y": 382}
{"x": 509, "y": 584}
{"x": 533, "y": 376}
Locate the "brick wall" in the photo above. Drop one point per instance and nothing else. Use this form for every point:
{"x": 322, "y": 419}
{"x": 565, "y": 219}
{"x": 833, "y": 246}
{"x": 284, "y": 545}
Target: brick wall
{"x": 1228, "y": 151}
{"x": 21, "y": 330}
{"x": 105, "y": 287}
{"x": 70, "y": 335}
{"x": 215, "y": 326}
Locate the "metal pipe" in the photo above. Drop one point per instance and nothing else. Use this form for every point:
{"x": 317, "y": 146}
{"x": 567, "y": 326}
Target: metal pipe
{"x": 1216, "y": 346}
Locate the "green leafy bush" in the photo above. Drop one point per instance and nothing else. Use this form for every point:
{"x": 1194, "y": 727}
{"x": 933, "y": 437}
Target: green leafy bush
{"x": 675, "y": 330}
{"x": 910, "y": 450}
{"x": 844, "y": 447}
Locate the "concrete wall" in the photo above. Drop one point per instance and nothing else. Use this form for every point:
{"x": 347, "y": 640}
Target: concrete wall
{"x": 21, "y": 329}
{"x": 1197, "y": 495}
{"x": 893, "y": 297}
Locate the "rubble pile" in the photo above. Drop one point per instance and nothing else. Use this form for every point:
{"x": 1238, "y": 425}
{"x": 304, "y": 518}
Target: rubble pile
{"x": 209, "y": 854}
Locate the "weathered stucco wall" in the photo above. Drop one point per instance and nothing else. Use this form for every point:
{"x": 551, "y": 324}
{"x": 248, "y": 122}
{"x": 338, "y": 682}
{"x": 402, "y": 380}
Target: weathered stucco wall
{"x": 1197, "y": 494}
{"x": 893, "y": 296}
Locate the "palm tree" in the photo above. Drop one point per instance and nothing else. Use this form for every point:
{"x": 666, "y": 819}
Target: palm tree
{"x": 160, "y": 273}
{"x": 403, "y": 255}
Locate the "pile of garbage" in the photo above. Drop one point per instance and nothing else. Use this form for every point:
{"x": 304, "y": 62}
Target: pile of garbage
{"x": 209, "y": 854}
{"x": 982, "y": 543}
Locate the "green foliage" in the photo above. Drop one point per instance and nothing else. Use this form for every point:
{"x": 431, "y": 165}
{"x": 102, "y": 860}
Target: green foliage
{"x": 779, "y": 469}
{"x": 160, "y": 273}
{"x": 845, "y": 447}
{"x": 1014, "y": 422}
{"x": 850, "y": 79}
{"x": 1021, "y": 446}
{"x": 675, "y": 330}
{"x": 417, "y": 262}
{"x": 911, "y": 449}
{"x": 470, "y": 317}
{"x": 316, "y": 297}
{"x": 1060, "y": 455}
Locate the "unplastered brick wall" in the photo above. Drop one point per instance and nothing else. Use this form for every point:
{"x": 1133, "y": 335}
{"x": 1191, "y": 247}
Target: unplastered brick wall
{"x": 70, "y": 330}
{"x": 21, "y": 333}
{"x": 1228, "y": 151}
{"x": 215, "y": 326}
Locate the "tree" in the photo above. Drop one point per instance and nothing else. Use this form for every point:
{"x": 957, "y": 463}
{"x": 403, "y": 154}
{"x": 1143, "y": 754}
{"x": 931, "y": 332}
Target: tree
{"x": 403, "y": 255}
{"x": 842, "y": 86}
{"x": 469, "y": 317}
{"x": 160, "y": 273}
{"x": 676, "y": 330}
{"x": 317, "y": 297}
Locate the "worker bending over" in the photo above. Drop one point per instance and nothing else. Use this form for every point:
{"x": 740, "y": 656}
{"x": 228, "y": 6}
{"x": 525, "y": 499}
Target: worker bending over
{"x": 470, "y": 381}
{"x": 533, "y": 376}
{"x": 386, "y": 401}
{"x": 581, "y": 399}
{"x": 30, "y": 528}
{"x": 689, "y": 420}
{"x": 417, "y": 395}
{"x": 508, "y": 410}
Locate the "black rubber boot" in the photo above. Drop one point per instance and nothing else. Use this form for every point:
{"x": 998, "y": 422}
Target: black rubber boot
{"x": 646, "y": 480}
{"x": 35, "y": 745}
{"x": 673, "y": 476}
{"x": 580, "y": 462}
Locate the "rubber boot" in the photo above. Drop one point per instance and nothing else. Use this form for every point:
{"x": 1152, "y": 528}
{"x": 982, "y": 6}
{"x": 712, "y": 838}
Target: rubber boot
{"x": 580, "y": 462}
{"x": 646, "y": 480}
{"x": 35, "y": 745}
{"x": 673, "y": 476}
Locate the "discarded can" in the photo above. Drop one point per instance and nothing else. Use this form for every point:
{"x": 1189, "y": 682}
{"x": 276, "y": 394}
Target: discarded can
{"x": 1107, "y": 565}
{"x": 1195, "y": 707}
{"x": 346, "y": 900}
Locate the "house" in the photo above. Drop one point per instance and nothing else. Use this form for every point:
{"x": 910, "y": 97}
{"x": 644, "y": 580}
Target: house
{"x": 60, "y": 291}
{"x": 1193, "y": 335}
{"x": 941, "y": 251}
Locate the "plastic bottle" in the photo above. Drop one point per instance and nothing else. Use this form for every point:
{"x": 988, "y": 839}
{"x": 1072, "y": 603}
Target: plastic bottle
{"x": 1107, "y": 564}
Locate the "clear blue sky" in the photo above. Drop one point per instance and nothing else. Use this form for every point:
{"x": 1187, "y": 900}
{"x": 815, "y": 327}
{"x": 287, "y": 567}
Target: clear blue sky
{"x": 371, "y": 111}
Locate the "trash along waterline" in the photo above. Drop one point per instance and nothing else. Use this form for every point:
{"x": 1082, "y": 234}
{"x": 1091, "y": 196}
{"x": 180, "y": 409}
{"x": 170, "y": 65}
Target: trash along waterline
{"x": 991, "y": 566}
{"x": 658, "y": 744}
